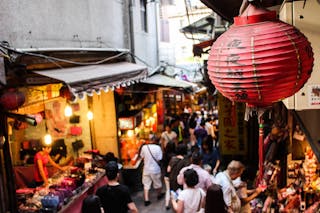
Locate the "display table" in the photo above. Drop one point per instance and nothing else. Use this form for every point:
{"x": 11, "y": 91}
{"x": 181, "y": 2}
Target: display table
{"x": 132, "y": 176}
{"x": 75, "y": 203}
{"x": 71, "y": 202}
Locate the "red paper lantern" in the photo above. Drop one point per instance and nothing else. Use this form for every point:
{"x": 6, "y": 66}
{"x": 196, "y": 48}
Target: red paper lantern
{"x": 12, "y": 99}
{"x": 65, "y": 92}
{"x": 260, "y": 59}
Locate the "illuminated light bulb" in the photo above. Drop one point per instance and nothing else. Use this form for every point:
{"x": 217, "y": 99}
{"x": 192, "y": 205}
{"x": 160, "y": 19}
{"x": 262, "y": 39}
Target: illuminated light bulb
{"x": 89, "y": 115}
{"x": 68, "y": 111}
{"x": 47, "y": 139}
{"x": 130, "y": 133}
{"x": 112, "y": 88}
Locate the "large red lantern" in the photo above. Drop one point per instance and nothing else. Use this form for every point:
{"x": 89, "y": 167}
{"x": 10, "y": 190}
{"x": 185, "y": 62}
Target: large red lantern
{"x": 260, "y": 59}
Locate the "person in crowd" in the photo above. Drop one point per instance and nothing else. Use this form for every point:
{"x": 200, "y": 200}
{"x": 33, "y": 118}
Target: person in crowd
{"x": 224, "y": 179}
{"x": 204, "y": 176}
{"x": 178, "y": 128}
{"x": 200, "y": 133}
{"x": 166, "y": 136}
{"x": 215, "y": 124}
{"x": 214, "y": 200}
{"x": 92, "y": 204}
{"x": 245, "y": 195}
{"x": 170, "y": 151}
{"x": 192, "y": 125}
{"x": 175, "y": 165}
{"x": 151, "y": 155}
{"x": 115, "y": 197}
{"x": 209, "y": 127}
{"x": 210, "y": 154}
{"x": 41, "y": 159}
{"x": 191, "y": 199}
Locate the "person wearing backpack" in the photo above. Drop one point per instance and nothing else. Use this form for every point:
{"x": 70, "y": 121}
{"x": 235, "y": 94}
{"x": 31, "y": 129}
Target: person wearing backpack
{"x": 175, "y": 165}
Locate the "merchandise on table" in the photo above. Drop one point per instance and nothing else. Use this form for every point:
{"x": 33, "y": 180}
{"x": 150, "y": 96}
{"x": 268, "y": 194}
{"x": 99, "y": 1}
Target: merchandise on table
{"x": 63, "y": 188}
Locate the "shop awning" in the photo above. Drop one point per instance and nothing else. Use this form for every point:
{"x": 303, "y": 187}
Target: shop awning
{"x": 97, "y": 77}
{"x": 166, "y": 81}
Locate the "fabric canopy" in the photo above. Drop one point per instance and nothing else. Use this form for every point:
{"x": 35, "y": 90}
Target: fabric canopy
{"x": 167, "y": 81}
{"x": 97, "y": 77}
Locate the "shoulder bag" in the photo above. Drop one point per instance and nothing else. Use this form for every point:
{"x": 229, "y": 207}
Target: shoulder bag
{"x": 158, "y": 162}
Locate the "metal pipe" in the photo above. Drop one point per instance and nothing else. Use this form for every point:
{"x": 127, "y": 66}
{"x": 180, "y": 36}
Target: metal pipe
{"x": 58, "y": 49}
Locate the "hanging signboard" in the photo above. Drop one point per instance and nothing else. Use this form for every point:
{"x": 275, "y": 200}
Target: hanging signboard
{"x": 232, "y": 127}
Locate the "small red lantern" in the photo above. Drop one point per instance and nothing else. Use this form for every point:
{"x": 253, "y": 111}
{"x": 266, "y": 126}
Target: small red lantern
{"x": 260, "y": 59}
{"x": 12, "y": 99}
{"x": 65, "y": 92}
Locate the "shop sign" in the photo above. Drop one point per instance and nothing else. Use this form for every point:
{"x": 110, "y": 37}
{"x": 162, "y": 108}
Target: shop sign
{"x": 232, "y": 127}
{"x": 126, "y": 123}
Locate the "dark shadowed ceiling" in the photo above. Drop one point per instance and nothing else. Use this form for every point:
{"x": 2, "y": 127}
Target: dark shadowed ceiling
{"x": 228, "y": 9}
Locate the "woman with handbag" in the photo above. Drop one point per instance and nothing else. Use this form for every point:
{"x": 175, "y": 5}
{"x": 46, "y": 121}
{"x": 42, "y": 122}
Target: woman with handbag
{"x": 191, "y": 199}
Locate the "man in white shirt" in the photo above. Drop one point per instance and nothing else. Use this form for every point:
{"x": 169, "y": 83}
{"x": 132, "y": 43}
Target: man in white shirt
{"x": 151, "y": 154}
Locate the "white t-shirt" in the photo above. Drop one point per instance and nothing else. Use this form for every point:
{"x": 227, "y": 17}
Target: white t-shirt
{"x": 168, "y": 137}
{"x": 191, "y": 198}
{"x": 150, "y": 165}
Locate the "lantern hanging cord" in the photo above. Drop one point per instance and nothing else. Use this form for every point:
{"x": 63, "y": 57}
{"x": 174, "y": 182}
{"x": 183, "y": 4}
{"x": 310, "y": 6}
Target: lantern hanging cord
{"x": 246, "y": 3}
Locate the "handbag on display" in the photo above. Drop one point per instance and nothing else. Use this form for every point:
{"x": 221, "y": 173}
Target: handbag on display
{"x": 76, "y": 130}
{"x": 74, "y": 119}
{"x": 78, "y": 144}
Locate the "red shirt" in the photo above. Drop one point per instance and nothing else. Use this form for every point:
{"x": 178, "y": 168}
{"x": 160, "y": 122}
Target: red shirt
{"x": 45, "y": 160}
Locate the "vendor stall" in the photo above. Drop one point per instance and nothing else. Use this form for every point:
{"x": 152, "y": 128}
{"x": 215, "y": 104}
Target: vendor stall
{"x": 65, "y": 193}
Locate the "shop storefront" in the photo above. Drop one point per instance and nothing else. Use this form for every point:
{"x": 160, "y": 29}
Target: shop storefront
{"x": 75, "y": 106}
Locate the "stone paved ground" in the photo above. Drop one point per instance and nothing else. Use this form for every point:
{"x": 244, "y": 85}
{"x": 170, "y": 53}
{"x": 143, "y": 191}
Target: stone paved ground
{"x": 157, "y": 206}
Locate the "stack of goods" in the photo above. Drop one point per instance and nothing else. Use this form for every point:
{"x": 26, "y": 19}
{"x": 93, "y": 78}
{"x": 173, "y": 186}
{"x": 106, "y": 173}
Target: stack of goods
{"x": 312, "y": 181}
{"x": 51, "y": 199}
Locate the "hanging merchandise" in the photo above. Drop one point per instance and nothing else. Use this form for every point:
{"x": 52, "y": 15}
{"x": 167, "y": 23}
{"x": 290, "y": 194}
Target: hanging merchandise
{"x": 76, "y": 130}
{"x": 260, "y": 59}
